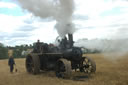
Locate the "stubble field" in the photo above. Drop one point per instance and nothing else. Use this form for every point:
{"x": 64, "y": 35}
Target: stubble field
{"x": 108, "y": 73}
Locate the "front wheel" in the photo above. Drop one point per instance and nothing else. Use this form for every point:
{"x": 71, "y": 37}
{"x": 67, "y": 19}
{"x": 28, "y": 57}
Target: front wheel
{"x": 88, "y": 65}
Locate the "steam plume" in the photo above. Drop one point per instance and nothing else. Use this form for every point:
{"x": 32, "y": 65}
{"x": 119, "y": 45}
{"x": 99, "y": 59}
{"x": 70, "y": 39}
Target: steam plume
{"x": 60, "y": 10}
{"x": 112, "y": 49}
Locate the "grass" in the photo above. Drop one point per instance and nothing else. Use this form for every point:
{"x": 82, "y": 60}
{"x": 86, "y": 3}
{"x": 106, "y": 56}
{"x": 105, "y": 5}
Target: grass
{"x": 108, "y": 73}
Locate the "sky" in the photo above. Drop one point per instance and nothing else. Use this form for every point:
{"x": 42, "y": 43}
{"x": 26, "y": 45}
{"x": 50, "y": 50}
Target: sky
{"x": 93, "y": 19}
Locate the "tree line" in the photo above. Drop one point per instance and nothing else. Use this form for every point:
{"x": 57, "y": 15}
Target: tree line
{"x": 19, "y": 51}
{"x": 16, "y": 50}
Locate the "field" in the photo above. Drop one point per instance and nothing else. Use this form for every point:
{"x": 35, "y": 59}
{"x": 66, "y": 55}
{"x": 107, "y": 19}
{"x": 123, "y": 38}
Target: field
{"x": 108, "y": 73}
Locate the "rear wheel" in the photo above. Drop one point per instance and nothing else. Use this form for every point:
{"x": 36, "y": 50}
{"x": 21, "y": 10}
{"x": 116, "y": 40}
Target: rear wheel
{"x": 63, "y": 68}
{"x": 33, "y": 64}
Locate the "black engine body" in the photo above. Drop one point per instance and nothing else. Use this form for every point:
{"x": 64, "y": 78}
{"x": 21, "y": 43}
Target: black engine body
{"x": 49, "y": 54}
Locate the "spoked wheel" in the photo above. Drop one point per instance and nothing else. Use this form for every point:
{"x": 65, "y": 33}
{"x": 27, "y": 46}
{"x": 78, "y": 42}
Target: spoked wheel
{"x": 63, "y": 68}
{"x": 89, "y": 66}
{"x": 32, "y": 64}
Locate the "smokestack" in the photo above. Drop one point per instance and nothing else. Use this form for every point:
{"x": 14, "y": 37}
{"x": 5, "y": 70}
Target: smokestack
{"x": 70, "y": 37}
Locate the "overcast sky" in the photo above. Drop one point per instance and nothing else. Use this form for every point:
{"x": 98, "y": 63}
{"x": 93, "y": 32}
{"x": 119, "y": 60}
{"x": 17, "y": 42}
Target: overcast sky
{"x": 92, "y": 19}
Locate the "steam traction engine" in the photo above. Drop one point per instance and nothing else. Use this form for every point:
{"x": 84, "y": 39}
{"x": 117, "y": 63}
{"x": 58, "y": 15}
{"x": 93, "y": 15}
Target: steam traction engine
{"x": 62, "y": 58}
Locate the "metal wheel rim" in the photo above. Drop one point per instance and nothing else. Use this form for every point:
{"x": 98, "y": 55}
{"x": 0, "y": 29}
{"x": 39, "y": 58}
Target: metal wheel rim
{"x": 87, "y": 66}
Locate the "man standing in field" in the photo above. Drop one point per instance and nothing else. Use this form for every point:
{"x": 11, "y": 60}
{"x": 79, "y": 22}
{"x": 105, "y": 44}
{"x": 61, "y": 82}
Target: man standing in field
{"x": 11, "y": 63}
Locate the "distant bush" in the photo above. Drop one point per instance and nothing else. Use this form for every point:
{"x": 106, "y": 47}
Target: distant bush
{"x": 3, "y": 52}
{"x": 16, "y": 51}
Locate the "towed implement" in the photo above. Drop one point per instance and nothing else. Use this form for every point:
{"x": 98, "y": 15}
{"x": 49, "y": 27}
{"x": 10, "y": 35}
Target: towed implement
{"x": 61, "y": 59}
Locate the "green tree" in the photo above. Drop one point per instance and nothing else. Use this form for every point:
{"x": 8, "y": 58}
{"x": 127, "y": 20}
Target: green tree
{"x": 3, "y": 52}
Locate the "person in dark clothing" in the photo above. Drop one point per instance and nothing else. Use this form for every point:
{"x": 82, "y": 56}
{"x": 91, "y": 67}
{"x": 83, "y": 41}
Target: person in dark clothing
{"x": 11, "y": 63}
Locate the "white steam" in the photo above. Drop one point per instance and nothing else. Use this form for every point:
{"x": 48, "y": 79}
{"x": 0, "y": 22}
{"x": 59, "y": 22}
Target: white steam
{"x": 64, "y": 17}
{"x": 60, "y": 10}
{"x": 112, "y": 49}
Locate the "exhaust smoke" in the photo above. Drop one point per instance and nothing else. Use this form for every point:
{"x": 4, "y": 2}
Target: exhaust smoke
{"x": 59, "y": 10}
{"x": 112, "y": 49}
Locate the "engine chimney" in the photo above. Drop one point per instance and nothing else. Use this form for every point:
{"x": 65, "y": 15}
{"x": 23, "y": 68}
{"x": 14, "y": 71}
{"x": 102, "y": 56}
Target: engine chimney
{"x": 70, "y": 37}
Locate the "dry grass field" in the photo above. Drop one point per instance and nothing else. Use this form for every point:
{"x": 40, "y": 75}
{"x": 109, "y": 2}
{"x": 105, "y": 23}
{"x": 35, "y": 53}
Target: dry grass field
{"x": 108, "y": 73}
